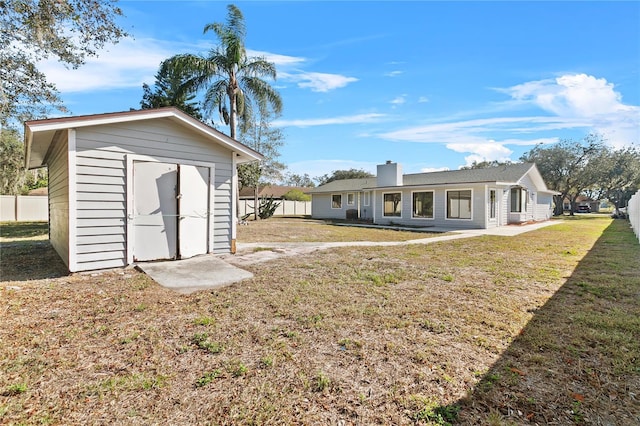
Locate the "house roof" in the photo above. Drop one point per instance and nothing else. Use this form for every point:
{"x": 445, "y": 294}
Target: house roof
{"x": 510, "y": 174}
{"x": 343, "y": 185}
{"x": 39, "y": 134}
{"x": 276, "y": 191}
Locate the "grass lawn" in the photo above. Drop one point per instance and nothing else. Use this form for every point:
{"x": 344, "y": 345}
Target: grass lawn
{"x": 298, "y": 230}
{"x": 536, "y": 329}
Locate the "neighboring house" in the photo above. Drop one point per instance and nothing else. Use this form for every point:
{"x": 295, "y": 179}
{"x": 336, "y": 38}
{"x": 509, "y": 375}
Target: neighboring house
{"x": 475, "y": 198}
{"x": 581, "y": 201}
{"x": 268, "y": 191}
{"x": 136, "y": 186}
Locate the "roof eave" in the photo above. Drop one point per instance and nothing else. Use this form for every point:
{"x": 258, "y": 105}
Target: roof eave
{"x": 245, "y": 154}
{"x": 28, "y": 135}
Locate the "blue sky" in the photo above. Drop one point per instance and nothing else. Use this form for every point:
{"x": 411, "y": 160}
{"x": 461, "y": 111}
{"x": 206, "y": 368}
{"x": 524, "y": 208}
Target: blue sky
{"x": 431, "y": 85}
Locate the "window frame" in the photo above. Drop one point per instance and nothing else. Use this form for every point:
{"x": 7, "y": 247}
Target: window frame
{"x": 384, "y": 211}
{"x": 351, "y": 195}
{"x": 446, "y": 207}
{"x": 413, "y": 209}
{"x": 333, "y": 202}
{"x": 366, "y": 198}
{"x": 517, "y": 200}
{"x": 493, "y": 204}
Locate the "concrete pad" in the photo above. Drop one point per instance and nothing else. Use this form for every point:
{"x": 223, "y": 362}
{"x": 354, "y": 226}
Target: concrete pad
{"x": 194, "y": 274}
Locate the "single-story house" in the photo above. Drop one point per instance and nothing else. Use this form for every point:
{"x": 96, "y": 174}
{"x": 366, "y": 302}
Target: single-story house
{"x": 474, "y": 198}
{"x": 136, "y": 186}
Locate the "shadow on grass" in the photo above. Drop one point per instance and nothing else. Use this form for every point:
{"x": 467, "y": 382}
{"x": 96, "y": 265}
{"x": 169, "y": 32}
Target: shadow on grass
{"x": 578, "y": 360}
{"x": 18, "y": 230}
{"x": 30, "y": 260}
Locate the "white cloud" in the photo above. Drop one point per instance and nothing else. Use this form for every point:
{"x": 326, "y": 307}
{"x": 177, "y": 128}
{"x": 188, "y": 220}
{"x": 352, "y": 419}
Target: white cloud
{"x": 399, "y": 100}
{"x": 577, "y": 95}
{"x": 570, "y": 102}
{"x": 345, "y": 119}
{"x": 126, "y": 64}
{"x": 423, "y": 99}
{"x": 433, "y": 169}
{"x": 277, "y": 59}
{"x": 467, "y": 131}
{"x": 586, "y": 99}
{"x": 316, "y": 81}
{"x": 488, "y": 151}
{"x": 393, "y": 73}
{"x": 132, "y": 62}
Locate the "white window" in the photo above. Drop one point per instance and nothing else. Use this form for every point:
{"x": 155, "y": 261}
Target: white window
{"x": 493, "y": 204}
{"x": 351, "y": 199}
{"x": 336, "y": 201}
{"x": 422, "y": 205}
{"x": 518, "y": 200}
{"x": 366, "y": 198}
{"x": 459, "y": 204}
{"x": 392, "y": 204}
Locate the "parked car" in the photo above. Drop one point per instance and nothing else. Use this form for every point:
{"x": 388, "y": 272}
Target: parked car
{"x": 583, "y": 209}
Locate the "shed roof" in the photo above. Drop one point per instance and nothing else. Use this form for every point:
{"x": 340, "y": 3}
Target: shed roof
{"x": 39, "y": 134}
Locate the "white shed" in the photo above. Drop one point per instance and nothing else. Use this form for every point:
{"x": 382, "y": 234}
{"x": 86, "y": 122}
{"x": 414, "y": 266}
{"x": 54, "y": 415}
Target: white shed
{"x": 137, "y": 186}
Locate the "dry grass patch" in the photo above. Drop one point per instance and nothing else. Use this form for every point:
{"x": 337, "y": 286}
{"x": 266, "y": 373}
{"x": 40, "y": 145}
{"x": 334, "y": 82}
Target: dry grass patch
{"x": 298, "y": 230}
{"x": 418, "y": 334}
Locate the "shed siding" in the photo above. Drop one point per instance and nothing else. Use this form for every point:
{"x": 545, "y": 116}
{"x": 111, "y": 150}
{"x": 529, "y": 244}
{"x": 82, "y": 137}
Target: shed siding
{"x": 58, "y": 162}
{"x": 101, "y": 176}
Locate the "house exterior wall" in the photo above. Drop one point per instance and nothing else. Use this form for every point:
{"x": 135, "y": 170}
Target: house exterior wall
{"x": 321, "y": 206}
{"x": 478, "y": 207}
{"x": 505, "y": 206}
{"x": 495, "y": 222}
{"x": 101, "y": 175}
{"x": 536, "y": 206}
{"x": 539, "y": 206}
{"x": 58, "y": 163}
{"x": 366, "y": 205}
{"x": 544, "y": 207}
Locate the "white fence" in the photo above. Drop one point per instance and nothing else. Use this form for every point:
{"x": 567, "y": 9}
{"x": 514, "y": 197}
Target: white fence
{"x": 633, "y": 210}
{"x": 24, "y": 208}
{"x": 286, "y": 208}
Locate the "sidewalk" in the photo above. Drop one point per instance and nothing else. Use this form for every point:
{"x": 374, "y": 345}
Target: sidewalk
{"x": 210, "y": 271}
{"x": 250, "y": 253}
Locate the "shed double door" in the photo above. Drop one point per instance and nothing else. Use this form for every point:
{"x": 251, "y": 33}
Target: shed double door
{"x": 171, "y": 210}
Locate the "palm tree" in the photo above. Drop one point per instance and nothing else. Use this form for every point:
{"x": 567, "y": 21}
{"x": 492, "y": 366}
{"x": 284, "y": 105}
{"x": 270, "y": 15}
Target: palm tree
{"x": 231, "y": 80}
